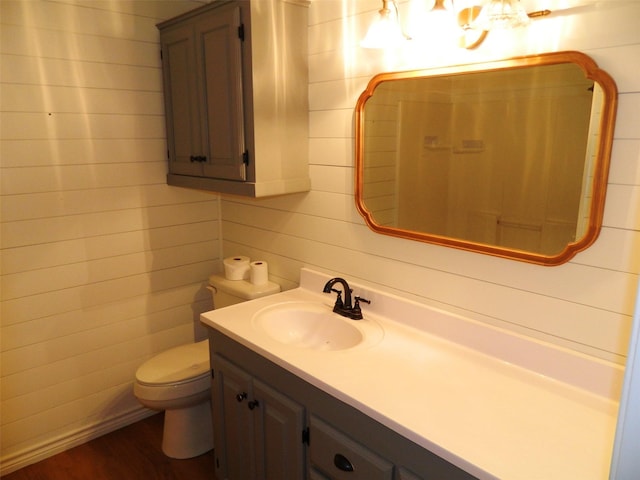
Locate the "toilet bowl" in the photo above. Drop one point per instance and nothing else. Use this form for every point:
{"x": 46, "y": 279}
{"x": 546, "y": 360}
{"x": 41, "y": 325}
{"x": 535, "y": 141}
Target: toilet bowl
{"x": 178, "y": 380}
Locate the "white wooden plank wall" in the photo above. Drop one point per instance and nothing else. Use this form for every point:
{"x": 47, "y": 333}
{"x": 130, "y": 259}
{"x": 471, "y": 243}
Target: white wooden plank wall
{"x": 102, "y": 263}
{"x": 585, "y": 304}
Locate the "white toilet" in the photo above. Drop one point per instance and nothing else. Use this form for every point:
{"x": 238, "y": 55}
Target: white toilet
{"x": 178, "y": 380}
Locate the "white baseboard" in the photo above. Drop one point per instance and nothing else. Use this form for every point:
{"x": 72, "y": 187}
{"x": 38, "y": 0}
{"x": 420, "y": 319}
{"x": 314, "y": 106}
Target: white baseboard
{"x": 36, "y": 453}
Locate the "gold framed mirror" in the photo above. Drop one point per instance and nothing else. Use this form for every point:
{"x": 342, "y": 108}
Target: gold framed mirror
{"x": 507, "y": 158}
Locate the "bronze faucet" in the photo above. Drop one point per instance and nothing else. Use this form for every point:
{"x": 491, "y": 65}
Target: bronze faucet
{"x": 341, "y": 307}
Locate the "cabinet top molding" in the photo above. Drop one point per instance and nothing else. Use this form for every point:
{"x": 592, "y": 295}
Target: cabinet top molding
{"x": 218, "y": 3}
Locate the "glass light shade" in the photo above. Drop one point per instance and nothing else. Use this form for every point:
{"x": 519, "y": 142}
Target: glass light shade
{"x": 502, "y": 14}
{"x": 432, "y": 22}
{"x": 385, "y": 31}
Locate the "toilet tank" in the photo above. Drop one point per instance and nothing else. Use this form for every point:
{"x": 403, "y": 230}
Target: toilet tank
{"x": 229, "y": 292}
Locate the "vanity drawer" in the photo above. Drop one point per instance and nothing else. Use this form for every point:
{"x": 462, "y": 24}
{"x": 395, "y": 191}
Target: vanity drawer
{"x": 342, "y": 458}
{"x": 316, "y": 475}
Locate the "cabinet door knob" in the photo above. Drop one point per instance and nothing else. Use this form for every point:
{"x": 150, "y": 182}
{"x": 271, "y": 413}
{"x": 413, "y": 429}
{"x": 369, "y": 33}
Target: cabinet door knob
{"x": 253, "y": 404}
{"x": 241, "y": 396}
{"x": 342, "y": 463}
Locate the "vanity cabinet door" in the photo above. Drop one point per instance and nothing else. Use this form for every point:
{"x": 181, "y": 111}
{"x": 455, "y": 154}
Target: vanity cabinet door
{"x": 279, "y": 422}
{"x": 341, "y": 458}
{"x": 257, "y": 430}
{"x": 404, "y": 474}
{"x": 232, "y": 422}
{"x": 316, "y": 475}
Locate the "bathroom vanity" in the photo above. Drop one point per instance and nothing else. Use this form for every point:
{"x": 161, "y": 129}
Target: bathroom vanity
{"x": 409, "y": 392}
{"x": 268, "y": 421}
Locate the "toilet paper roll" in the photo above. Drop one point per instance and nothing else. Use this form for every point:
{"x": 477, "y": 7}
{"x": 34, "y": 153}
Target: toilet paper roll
{"x": 236, "y": 268}
{"x": 259, "y": 272}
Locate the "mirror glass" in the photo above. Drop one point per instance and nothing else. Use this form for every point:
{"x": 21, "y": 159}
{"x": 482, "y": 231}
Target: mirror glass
{"x": 507, "y": 158}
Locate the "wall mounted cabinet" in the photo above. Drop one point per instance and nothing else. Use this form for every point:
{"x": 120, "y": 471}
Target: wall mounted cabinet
{"x": 235, "y": 86}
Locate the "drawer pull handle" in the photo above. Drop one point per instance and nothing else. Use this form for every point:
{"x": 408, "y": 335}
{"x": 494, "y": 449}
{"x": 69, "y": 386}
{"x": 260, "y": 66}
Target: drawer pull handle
{"x": 253, "y": 404}
{"x": 342, "y": 463}
{"x": 241, "y": 396}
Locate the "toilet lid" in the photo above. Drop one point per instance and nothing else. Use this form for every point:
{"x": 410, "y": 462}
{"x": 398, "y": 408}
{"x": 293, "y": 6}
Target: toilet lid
{"x": 176, "y": 365}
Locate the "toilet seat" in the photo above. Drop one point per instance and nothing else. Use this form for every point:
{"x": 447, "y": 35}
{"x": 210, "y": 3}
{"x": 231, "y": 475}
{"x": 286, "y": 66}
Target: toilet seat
{"x": 175, "y": 366}
{"x": 176, "y": 373}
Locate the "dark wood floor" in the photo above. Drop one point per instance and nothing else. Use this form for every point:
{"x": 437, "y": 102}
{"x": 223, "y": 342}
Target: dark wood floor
{"x": 132, "y": 452}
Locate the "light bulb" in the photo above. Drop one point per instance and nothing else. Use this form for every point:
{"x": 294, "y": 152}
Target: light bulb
{"x": 502, "y": 14}
{"x": 385, "y": 31}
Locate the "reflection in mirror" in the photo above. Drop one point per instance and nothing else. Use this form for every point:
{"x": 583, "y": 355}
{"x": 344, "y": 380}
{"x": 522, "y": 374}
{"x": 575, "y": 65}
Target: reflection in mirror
{"x": 508, "y": 158}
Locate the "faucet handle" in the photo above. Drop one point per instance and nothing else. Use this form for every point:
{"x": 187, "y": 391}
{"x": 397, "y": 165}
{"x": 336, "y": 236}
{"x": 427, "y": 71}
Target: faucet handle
{"x": 360, "y": 299}
{"x": 356, "y": 311}
{"x": 339, "y": 303}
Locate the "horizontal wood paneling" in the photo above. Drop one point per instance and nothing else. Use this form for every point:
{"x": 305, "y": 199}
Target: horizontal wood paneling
{"x": 73, "y": 151}
{"x": 64, "y": 73}
{"x": 45, "y": 230}
{"x": 332, "y": 179}
{"x": 625, "y": 171}
{"x": 103, "y": 265}
{"x": 331, "y": 151}
{"x": 331, "y": 123}
{"x": 20, "y": 126}
{"x": 56, "y": 202}
{"x": 35, "y": 98}
{"x": 96, "y": 294}
{"x": 36, "y": 372}
{"x": 33, "y": 257}
{"x": 60, "y": 44}
{"x": 90, "y": 19}
{"x": 33, "y": 282}
{"x": 596, "y": 287}
{"x": 549, "y": 317}
{"x": 42, "y": 329}
{"x": 79, "y": 177}
{"x": 584, "y": 305}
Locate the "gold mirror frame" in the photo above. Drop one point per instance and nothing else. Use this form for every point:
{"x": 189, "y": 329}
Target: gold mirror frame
{"x": 600, "y": 167}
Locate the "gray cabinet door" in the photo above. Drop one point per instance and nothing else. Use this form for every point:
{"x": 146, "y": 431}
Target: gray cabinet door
{"x": 219, "y": 54}
{"x": 279, "y": 422}
{"x": 181, "y": 97}
{"x": 257, "y": 430}
{"x": 233, "y": 422}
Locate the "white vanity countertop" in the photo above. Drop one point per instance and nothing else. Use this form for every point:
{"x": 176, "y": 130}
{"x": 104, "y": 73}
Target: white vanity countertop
{"x": 497, "y": 405}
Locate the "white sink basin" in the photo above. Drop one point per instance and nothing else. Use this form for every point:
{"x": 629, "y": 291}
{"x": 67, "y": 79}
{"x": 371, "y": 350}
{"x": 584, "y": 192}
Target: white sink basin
{"x": 308, "y": 325}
